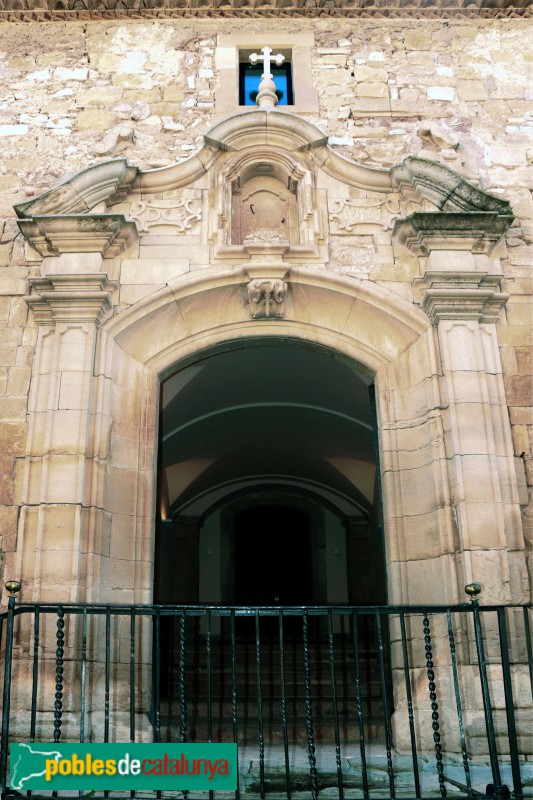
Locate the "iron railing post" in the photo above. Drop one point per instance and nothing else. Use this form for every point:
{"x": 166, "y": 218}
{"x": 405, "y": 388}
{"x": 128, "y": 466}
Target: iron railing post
{"x": 12, "y": 587}
{"x": 496, "y": 789}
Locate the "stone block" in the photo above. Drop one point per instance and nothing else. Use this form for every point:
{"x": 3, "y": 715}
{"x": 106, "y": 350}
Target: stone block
{"x": 99, "y": 96}
{"x": 18, "y": 313}
{"x": 520, "y": 313}
{"x": 68, "y": 432}
{"x": 471, "y": 90}
{"x": 65, "y": 477}
{"x": 515, "y": 335}
{"x": 13, "y": 408}
{"x": 335, "y": 77}
{"x": 509, "y": 360}
{"x": 508, "y": 156}
{"x": 519, "y": 390}
{"x": 74, "y": 390}
{"x": 524, "y": 359}
{"x": 124, "y": 452}
{"x": 446, "y": 93}
{"x": 60, "y": 526}
{"x": 373, "y": 74}
{"x": 13, "y": 130}
{"x": 6, "y": 481}
{"x": 93, "y": 119}
{"x": 120, "y": 494}
{"x": 8, "y": 526}
{"x": 152, "y": 271}
{"x": 74, "y": 74}
{"x": 372, "y": 89}
{"x": 19, "y": 381}
{"x": 336, "y": 59}
{"x": 131, "y": 294}
{"x": 418, "y": 39}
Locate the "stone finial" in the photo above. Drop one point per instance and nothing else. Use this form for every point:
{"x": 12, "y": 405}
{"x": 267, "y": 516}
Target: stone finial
{"x": 267, "y": 97}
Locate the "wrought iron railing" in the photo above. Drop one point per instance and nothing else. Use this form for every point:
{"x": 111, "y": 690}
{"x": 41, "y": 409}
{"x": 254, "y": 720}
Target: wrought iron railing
{"x": 364, "y": 702}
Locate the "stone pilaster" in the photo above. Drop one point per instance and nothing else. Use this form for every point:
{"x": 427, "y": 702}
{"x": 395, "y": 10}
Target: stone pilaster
{"x": 56, "y": 485}
{"x": 464, "y": 306}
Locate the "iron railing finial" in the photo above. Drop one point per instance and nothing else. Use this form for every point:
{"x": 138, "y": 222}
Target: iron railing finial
{"x": 472, "y": 590}
{"x": 13, "y": 587}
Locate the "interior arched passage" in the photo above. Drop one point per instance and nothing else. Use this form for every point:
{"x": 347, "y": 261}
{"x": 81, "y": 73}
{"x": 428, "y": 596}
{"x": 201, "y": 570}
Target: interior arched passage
{"x": 267, "y": 470}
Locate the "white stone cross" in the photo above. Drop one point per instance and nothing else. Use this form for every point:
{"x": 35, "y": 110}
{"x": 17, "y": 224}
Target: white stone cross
{"x": 266, "y": 59}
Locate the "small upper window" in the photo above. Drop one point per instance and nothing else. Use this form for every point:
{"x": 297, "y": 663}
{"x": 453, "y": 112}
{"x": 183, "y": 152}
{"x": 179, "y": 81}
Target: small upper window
{"x": 250, "y": 78}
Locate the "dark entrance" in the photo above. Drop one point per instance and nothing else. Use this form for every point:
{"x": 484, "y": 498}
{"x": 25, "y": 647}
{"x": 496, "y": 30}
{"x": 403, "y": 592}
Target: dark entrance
{"x": 272, "y": 557}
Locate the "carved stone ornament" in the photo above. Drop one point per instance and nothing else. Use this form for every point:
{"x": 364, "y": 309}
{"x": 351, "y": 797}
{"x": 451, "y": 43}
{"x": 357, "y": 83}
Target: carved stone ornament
{"x": 266, "y": 236}
{"x": 172, "y": 215}
{"x": 267, "y": 298}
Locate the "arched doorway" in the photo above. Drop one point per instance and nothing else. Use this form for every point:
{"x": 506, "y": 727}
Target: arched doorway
{"x": 268, "y": 470}
{"x": 268, "y": 501}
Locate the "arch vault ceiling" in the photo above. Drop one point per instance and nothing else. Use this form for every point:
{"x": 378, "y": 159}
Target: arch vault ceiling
{"x": 266, "y": 417}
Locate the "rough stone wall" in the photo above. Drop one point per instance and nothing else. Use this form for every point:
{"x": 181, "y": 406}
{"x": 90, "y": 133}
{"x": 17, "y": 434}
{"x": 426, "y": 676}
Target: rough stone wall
{"x": 79, "y": 92}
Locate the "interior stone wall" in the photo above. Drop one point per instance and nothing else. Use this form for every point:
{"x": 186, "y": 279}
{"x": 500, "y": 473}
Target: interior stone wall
{"x": 75, "y": 93}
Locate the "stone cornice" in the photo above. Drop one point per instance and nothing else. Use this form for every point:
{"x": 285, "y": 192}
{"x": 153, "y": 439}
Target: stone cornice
{"x": 461, "y": 296}
{"x": 473, "y": 231}
{"x": 52, "y": 235}
{"x": 70, "y": 298}
{"x": 23, "y": 10}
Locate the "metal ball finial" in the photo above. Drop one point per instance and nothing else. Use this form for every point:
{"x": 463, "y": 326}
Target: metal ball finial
{"x": 13, "y": 587}
{"x": 472, "y": 590}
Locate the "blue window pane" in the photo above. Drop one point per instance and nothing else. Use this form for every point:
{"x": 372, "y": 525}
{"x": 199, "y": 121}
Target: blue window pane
{"x": 250, "y": 79}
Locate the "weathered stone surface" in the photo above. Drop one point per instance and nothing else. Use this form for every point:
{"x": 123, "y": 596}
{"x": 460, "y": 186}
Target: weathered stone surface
{"x": 143, "y": 93}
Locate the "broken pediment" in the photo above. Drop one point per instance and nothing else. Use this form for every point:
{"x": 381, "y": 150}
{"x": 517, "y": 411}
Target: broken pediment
{"x": 262, "y": 168}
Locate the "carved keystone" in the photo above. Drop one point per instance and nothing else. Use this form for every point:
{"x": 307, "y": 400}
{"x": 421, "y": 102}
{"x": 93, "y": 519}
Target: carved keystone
{"x": 267, "y": 298}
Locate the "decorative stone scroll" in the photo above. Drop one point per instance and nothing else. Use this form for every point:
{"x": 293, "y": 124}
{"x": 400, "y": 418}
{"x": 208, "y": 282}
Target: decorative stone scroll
{"x": 171, "y": 215}
{"x": 266, "y": 297}
{"x": 360, "y": 215}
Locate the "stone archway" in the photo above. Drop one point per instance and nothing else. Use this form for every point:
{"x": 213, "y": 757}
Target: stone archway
{"x": 120, "y": 366}
{"x": 107, "y": 335}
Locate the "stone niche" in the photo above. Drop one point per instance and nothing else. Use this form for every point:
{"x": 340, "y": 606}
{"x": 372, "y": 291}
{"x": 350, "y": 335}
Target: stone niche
{"x": 270, "y": 191}
{"x": 261, "y": 203}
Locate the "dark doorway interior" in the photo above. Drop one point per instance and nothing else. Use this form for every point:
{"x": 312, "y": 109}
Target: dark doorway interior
{"x": 273, "y": 556}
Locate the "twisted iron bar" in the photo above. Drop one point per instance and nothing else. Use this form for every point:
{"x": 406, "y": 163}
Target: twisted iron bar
{"x": 182, "y": 688}
{"x": 58, "y": 705}
{"x": 309, "y": 711}
{"x": 434, "y": 705}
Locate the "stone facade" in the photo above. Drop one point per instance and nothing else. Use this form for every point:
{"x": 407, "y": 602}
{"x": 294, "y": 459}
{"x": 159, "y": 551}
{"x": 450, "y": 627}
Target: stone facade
{"x": 402, "y": 175}
{"x": 79, "y": 92}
